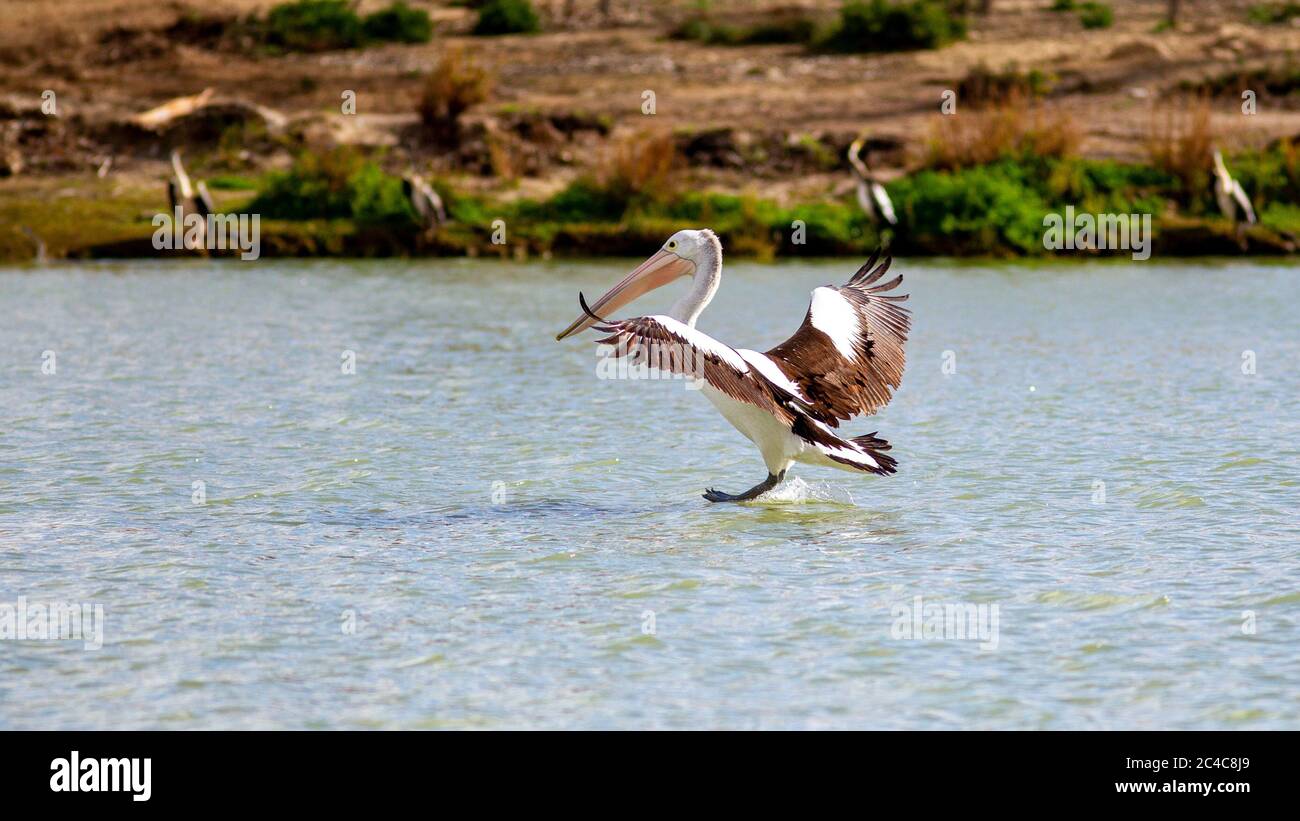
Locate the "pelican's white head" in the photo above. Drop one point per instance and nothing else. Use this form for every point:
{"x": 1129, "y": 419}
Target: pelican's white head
{"x": 698, "y": 245}
{"x": 694, "y": 253}
{"x": 856, "y": 162}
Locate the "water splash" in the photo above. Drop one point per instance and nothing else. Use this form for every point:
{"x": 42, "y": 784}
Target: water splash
{"x": 796, "y": 491}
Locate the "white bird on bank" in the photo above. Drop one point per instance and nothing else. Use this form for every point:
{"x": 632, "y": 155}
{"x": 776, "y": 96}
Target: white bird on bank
{"x": 845, "y": 360}
{"x": 428, "y": 207}
{"x": 872, "y": 196}
{"x": 1232, "y": 199}
{"x": 191, "y": 199}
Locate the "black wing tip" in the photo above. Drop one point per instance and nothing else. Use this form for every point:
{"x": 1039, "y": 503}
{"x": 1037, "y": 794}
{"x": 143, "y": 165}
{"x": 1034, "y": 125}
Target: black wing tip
{"x": 870, "y": 272}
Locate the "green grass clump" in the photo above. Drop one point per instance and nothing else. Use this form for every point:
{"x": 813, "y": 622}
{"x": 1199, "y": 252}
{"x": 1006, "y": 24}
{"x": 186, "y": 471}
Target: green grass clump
{"x": 1281, "y": 217}
{"x": 1273, "y": 14}
{"x": 1099, "y": 186}
{"x": 399, "y": 23}
{"x": 894, "y": 25}
{"x": 232, "y": 182}
{"x": 313, "y": 25}
{"x": 507, "y": 17}
{"x": 327, "y": 25}
{"x": 1063, "y": 5}
{"x": 986, "y": 209}
{"x": 792, "y": 29}
{"x": 583, "y": 200}
{"x": 1096, "y": 15}
{"x": 336, "y": 184}
{"x": 103, "y": 214}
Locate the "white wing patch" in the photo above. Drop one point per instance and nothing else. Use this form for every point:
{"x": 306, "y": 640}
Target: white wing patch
{"x": 703, "y": 342}
{"x": 771, "y": 372}
{"x": 834, "y": 316}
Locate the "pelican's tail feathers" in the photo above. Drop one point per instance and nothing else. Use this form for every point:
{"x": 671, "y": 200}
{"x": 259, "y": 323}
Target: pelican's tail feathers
{"x": 866, "y": 453}
{"x": 875, "y": 447}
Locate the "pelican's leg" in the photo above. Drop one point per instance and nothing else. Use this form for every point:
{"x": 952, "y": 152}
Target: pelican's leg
{"x": 754, "y": 492}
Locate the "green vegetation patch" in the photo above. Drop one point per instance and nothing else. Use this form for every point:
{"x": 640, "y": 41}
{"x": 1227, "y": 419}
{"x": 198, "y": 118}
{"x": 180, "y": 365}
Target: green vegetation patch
{"x": 312, "y": 25}
{"x": 1270, "y": 177}
{"x": 327, "y": 25}
{"x": 232, "y": 182}
{"x": 341, "y": 202}
{"x": 781, "y": 29}
{"x": 399, "y": 23}
{"x": 1096, "y": 15}
{"x": 894, "y": 25}
{"x": 1273, "y": 14}
{"x": 996, "y": 208}
{"x": 507, "y": 17}
{"x": 973, "y": 210}
{"x": 335, "y": 184}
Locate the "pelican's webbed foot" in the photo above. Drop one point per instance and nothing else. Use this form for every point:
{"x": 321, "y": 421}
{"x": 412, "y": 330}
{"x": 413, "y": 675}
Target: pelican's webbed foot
{"x": 754, "y": 492}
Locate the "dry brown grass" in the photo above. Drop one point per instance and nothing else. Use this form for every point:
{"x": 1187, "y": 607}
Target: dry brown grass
{"x": 454, "y": 86}
{"x": 501, "y": 156}
{"x": 1180, "y": 139}
{"x": 1015, "y": 128}
{"x": 983, "y": 87}
{"x": 641, "y": 162}
{"x": 1291, "y": 159}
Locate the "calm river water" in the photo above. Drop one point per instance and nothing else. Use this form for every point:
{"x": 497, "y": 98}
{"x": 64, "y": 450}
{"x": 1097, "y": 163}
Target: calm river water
{"x": 473, "y": 530}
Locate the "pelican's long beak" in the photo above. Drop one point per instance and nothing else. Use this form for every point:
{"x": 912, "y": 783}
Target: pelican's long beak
{"x": 659, "y": 270}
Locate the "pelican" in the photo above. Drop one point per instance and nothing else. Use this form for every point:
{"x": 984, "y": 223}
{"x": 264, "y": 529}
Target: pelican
{"x": 845, "y": 359}
{"x": 1230, "y": 196}
{"x": 188, "y": 198}
{"x": 871, "y": 194}
{"x": 38, "y": 244}
{"x": 425, "y": 201}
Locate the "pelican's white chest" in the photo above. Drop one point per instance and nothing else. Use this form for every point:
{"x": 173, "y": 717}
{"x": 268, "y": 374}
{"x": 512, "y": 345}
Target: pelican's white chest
{"x": 774, "y": 440}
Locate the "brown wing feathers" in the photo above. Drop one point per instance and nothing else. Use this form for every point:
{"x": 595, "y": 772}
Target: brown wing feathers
{"x": 840, "y": 388}
{"x": 645, "y": 339}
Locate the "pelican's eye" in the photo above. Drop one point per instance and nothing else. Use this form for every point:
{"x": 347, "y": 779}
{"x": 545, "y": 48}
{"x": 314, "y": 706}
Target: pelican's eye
{"x": 672, "y": 244}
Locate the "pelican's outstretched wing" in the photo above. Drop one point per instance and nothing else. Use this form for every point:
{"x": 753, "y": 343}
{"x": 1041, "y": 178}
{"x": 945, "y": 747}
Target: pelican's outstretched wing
{"x": 847, "y": 357}
{"x": 673, "y": 347}
{"x": 746, "y": 376}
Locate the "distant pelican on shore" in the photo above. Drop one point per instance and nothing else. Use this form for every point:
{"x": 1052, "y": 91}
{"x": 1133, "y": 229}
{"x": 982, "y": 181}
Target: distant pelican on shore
{"x": 1232, "y": 199}
{"x": 38, "y": 245}
{"x": 426, "y": 203}
{"x": 190, "y": 199}
{"x": 872, "y": 196}
{"x": 845, "y": 360}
